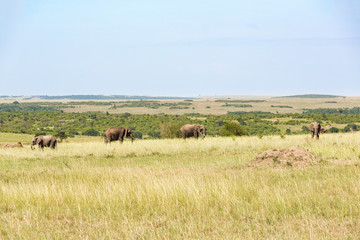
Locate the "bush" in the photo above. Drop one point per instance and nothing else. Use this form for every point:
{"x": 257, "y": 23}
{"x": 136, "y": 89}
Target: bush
{"x": 333, "y": 130}
{"x": 91, "y": 132}
{"x": 233, "y": 128}
{"x": 305, "y": 129}
{"x": 62, "y": 135}
{"x": 39, "y": 133}
{"x": 346, "y": 129}
{"x": 353, "y": 127}
{"x": 170, "y": 130}
{"x": 137, "y": 135}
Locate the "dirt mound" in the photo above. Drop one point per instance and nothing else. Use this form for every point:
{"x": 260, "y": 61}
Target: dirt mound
{"x": 290, "y": 157}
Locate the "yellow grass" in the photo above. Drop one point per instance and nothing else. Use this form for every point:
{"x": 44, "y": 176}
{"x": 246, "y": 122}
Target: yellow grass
{"x": 175, "y": 189}
{"x": 199, "y": 105}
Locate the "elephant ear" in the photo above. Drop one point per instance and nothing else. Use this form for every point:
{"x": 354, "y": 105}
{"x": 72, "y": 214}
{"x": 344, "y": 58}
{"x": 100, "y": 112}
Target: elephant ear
{"x": 38, "y": 140}
{"x": 197, "y": 128}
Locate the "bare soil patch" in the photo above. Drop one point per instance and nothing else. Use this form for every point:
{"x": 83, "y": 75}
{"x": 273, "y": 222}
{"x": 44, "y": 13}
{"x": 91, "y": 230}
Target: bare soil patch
{"x": 287, "y": 157}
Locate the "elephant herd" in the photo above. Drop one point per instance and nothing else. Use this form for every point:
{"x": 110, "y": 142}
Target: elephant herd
{"x": 118, "y": 134}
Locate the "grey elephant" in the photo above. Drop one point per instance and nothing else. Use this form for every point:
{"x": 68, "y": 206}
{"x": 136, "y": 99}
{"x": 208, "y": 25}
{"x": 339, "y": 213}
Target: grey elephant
{"x": 44, "y": 141}
{"x": 323, "y": 130}
{"x": 117, "y": 133}
{"x": 315, "y": 129}
{"x": 192, "y": 130}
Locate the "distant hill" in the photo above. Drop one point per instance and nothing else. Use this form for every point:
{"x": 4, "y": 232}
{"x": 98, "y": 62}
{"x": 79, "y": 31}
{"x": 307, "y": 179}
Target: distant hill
{"x": 94, "y": 97}
{"x": 312, "y": 96}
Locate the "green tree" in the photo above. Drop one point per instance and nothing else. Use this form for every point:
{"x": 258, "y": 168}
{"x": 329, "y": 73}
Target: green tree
{"x": 333, "y": 130}
{"x": 61, "y": 135}
{"x": 91, "y": 132}
{"x": 233, "y": 128}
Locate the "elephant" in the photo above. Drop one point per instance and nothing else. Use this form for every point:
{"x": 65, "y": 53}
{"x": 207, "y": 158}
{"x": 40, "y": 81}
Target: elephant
{"x": 44, "y": 141}
{"x": 323, "y": 130}
{"x": 315, "y": 129}
{"x": 192, "y": 130}
{"x": 117, "y": 133}
{"x": 17, "y": 145}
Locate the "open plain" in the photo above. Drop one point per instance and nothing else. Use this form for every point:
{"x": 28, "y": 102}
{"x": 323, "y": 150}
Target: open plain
{"x": 176, "y": 189}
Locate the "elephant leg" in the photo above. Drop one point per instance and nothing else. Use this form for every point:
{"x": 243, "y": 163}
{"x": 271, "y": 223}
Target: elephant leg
{"x": 312, "y": 134}
{"x": 196, "y": 135}
{"x": 121, "y": 140}
{"x": 183, "y": 135}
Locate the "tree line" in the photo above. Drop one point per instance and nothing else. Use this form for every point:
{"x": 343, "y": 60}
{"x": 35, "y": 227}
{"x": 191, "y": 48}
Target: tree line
{"x": 156, "y": 126}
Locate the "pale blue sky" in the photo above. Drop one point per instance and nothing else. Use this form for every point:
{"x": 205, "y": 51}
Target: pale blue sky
{"x": 179, "y": 48}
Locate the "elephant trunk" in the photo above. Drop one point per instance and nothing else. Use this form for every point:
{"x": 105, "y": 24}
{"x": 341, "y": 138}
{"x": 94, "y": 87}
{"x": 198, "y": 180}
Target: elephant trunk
{"x": 204, "y": 133}
{"x": 31, "y": 146}
{"x": 132, "y": 138}
{"x": 317, "y": 133}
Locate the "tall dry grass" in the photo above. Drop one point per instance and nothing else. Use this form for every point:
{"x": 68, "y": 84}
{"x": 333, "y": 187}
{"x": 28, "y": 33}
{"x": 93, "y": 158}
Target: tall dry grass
{"x": 175, "y": 189}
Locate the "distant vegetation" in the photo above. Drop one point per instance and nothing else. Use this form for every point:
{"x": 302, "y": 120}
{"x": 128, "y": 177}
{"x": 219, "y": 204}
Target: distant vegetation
{"x": 281, "y": 106}
{"x": 331, "y": 102}
{"x": 312, "y": 96}
{"x": 250, "y": 112}
{"x": 103, "y": 97}
{"x": 237, "y": 105}
{"x": 149, "y": 126}
{"x": 240, "y": 101}
{"x": 152, "y": 104}
{"x": 90, "y": 97}
{"x": 355, "y": 110}
{"x": 26, "y": 107}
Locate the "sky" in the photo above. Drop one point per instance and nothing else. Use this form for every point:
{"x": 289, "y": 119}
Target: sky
{"x": 180, "y": 48}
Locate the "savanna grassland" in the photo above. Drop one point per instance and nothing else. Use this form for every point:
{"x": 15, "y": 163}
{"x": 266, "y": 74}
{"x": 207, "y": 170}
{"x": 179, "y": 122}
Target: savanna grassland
{"x": 176, "y": 189}
{"x": 210, "y": 105}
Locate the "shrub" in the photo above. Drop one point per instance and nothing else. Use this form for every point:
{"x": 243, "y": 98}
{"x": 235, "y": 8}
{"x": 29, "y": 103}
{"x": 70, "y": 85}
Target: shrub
{"x": 62, "y": 135}
{"x": 233, "y": 128}
{"x": 170, "y": 130}
{"x": 333, "y": 130}
{"x": 39, "y": 133}
{"x": 137, "y": 135}
{"x": 305, "y": 129}
{"x": 346, "y": 129}
{"x": 353, "y": 127}
{"x": 91, "y": 132}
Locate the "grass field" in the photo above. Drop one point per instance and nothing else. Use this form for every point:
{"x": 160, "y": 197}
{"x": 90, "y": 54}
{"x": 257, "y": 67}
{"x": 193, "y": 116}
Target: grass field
{"x": 175, "y": 189}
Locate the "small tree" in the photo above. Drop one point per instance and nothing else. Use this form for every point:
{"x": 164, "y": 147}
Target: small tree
{"x": 305, "y": 129}
{"x": 333, "y": 130}
{"x": 137, "y": 135}
{"x": 233, "y": 128}
{"x": 62, "y": 135}
{"x": 346, "y": 129}
{"x": 353, "y": 127}
{"x": 91, "y": 132}
{"x": 38, "y": 133}
{"x": 170, "y": 130}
